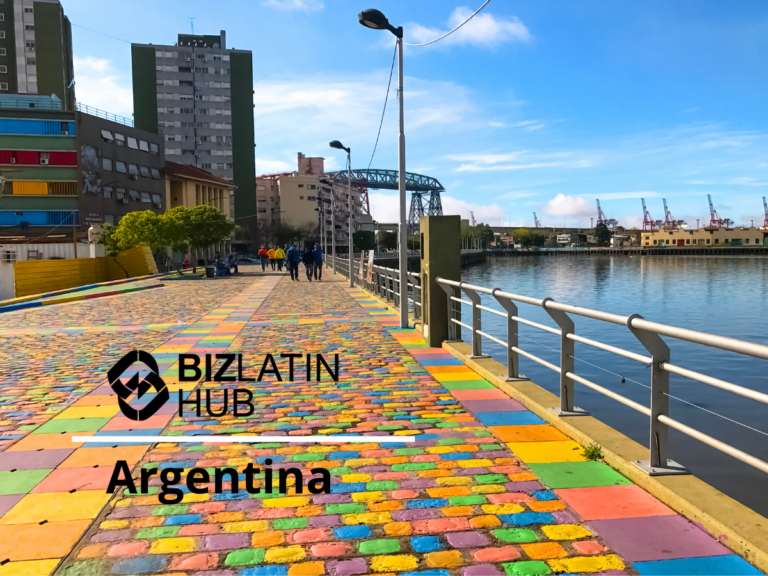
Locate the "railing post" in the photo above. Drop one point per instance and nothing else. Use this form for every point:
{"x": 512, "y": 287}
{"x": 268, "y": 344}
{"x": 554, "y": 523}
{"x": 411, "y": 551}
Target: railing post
{"x": 477, "y": 324}
{"x": 454, "y": 330}
{"x": 513, "y": 358}
{"x": 567, "y": 361}
{"x": 659, "y": 463}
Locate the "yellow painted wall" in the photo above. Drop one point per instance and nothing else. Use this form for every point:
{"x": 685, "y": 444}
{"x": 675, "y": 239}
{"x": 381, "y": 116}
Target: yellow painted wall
{"x": 39, "y": 276}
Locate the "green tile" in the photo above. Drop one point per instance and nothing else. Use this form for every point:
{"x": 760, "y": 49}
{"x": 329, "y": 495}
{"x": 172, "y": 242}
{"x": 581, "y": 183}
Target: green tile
{"x": 243, "y": 557}
{"x": 379, "y": 547}
{"x": 515, "y": 535}
{"x": 21, "y": 481}
{"x": 72, "y": 425}
{"x": 577, "y": 475}
{"x": 290, "y": 523}
{"x": 468, "y": 385}
{"x": 527, "y": 568}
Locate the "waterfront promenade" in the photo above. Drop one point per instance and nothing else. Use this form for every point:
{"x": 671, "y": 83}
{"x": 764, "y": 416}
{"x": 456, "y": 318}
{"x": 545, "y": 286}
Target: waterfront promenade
{"x": 488, "y": 488}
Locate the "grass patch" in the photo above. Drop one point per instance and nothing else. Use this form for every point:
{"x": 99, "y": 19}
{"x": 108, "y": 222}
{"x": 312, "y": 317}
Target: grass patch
{"x": 593, "y": 452}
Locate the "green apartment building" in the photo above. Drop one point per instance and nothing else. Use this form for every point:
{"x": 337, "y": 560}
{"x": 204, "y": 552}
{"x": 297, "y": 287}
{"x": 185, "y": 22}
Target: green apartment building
{"x": 199, "y": 96}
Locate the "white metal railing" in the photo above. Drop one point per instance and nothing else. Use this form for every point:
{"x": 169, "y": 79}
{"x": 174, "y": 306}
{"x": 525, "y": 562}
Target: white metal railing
{"x": 385, "y": 283}
{"x": 103, "y": 114}
{"x": 647, "y": 333}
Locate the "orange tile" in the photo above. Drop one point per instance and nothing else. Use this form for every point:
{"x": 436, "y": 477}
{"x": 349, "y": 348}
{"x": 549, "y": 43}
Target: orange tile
{"x": 447, "y": 369}
{"x": 40, "y": 541}
{"x": 89, "y": 457}
{"x": 612, "y": 502}
{"x": 47, "y": 442}
{"x": 528, "y": 433}
{"x": 544, "y": 550}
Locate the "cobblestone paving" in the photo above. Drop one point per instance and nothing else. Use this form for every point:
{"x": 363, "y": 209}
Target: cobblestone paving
{"x": 487, "y": 488}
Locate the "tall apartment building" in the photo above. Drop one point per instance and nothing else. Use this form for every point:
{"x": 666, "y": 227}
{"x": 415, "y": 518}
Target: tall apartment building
{"x": 36, "y": 50}
{"x": 199, "y": 95}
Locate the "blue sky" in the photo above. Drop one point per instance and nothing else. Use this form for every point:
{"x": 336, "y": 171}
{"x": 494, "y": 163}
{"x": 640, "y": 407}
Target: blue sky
{"x": 535, "y": 106}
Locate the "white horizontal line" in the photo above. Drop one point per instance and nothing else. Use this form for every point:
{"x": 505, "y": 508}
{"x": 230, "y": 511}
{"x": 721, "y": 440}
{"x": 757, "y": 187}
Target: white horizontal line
{"x": 242, "y": 439}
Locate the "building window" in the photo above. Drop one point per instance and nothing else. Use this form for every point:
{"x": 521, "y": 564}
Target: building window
{"x": 310, "y": 198}
{"x": 301, "y": 197}
{"x": 132, "y": 143}
{"x": 133, "y": 169}
{"x": 109, "y": 219}
{"x": 3, "y": 85}
{"x": 301, "y": 185}
{"x": 121, "y": 167}
{"x": 311, "y": 186}
{"x": 145, "y": 197}
{"x": 119, "y": 139}
{"x": 107, "y": 191}
{"x": 154, "y": 149}
{"x": 29, "y": 27}
{"x": 143, "y": 145}
{"x": 120, "y": 193}
{"x": 134, "y": 195}
{"x": 156, "y": 173}
{"x": 26, "y": 10}
{"x": 106, "y": 164}
{"x": 156, "y": 199}
{"x": 106, "y": 135}
{"x": 707, "y": 240}
{"x": 2, "y": 51}
{"x": 3, "y": 69}
{"x": 2, "y": 33}
{"x": 144, "y": 171}
{"x": 30, "y": 45}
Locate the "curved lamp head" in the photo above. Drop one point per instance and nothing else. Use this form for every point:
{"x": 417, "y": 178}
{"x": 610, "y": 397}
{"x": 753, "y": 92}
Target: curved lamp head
{"x": 338, "y": 145}
{"x": 373, "y": 18}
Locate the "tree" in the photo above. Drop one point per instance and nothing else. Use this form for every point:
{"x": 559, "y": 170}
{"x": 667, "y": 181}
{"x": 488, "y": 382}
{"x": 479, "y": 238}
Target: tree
{"x": 538, "y": 239}
{"x": 388, "y": 240}
{"x": 109, "y": 240}
{"x": 364, "y": 240}
{"x": 603, "y": 234}
{"x": 523, "y": 237}
{"x": 206, "y": 226}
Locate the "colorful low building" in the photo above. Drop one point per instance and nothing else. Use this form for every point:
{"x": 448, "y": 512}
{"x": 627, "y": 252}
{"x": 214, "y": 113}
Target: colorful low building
{"x": 705, "y": 238}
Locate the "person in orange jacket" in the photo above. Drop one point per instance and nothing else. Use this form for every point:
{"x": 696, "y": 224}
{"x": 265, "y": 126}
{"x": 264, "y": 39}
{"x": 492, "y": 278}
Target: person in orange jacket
{"x": 271, "y": 256}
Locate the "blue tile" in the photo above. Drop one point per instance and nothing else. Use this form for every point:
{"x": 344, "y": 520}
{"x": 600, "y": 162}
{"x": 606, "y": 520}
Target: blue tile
{"x": 425, "y": 544}
{"x": 731, "y": 565}
{"x": 265, "y": 571}
{"x": 183, "y": 519}
{"x": 427, "y": 503}
{"x": 518, "y": 418}
{"x": 544, "y": 495}
{"x": 527, "y": 518}
{"x": 348, "y": 532}
{"x": 145, "y": 565}
{"x": 348, "y": 487}
{"x": 441, "y": 362}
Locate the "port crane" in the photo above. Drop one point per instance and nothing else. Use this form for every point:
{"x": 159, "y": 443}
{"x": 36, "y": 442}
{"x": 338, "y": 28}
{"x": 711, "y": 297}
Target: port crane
{"x": 714, "y": 218}
{"x": 472, "y": 218}
{"x": 537, "y": 224}
{"x": 648, "y": 222}
{"x": 669, "y": 221}
{"x": 765, "y": 207}
{"x": 603, "y": 219}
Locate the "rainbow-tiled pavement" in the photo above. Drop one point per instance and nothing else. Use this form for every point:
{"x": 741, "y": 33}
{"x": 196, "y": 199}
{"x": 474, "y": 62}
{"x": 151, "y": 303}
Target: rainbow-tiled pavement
{"x": 487, "y": 489}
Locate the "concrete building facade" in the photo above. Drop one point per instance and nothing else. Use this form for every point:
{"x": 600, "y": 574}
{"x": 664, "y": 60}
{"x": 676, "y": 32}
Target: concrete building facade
{"x": 36, "y": 50}
{"x": 198, "y": 95}
{"x": 189, "y": 186}
{"x": 705, "y": 238}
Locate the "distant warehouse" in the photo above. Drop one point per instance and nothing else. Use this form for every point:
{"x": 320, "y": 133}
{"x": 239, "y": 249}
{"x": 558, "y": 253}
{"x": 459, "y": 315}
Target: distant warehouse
{"x": 705, "y": 237}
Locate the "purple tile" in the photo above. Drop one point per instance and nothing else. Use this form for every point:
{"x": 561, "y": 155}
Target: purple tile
{"x": 565, "y": 517}
{"x": 330, "y": 521}
{"x": 482, "y": 570}
{"x": 112, "y": 536}
{"x": 347, "y": 567}
{"x": 529, "y": 486}
{"x": 227, "y": 541}
{"x": 332, "y": 499}
{"x": 416, "y": 514}
{"x": 33, "y": 459}
{"x": 466, "y": 539}
{"x": 657, "y": 538}
{"x": 478, "y": 406}
{"x": 9, "y": 501}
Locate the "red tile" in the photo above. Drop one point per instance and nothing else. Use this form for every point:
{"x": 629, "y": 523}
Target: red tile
{"x": 611, "y": 502}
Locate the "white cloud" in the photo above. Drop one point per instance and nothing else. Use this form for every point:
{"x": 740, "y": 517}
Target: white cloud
{"x": 747, "y": 181}
{"x": 522, "y": 160}
{"x": 386, "y": 208}
{"x": 517, "y": 195}
{"x": 569, "y": 206}
{"x": 99, "y": 84}
{"x": 526, "y": 166}
{"x": 271, "y": 166}
{"x": 294, "y": 5}
{"x": 485, "y": 30}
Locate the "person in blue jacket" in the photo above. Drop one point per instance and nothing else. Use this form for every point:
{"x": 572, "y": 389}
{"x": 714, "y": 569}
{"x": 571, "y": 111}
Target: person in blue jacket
{"x": 318, "y": 254}
{"x": 292, "y": 258}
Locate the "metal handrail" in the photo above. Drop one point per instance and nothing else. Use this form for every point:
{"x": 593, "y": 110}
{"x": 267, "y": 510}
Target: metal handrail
{"x": 103, "y": 114}
{"x": 648, "y": 334}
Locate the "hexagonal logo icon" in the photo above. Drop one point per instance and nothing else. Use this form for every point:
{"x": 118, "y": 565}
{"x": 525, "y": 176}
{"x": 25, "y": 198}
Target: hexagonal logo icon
{"x": 138, "y": 385}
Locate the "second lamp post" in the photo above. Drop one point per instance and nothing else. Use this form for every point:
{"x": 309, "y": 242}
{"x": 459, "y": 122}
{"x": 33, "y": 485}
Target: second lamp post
{"x": 340, "y": 146}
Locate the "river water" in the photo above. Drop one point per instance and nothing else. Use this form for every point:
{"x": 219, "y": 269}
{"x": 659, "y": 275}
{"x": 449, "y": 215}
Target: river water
{"x": 726, "y": 296}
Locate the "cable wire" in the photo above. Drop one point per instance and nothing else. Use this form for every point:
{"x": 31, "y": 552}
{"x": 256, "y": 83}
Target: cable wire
{"x": 102, "y": 33}
{"x": 452, "y": 31}
{"x": 381, "y": 123}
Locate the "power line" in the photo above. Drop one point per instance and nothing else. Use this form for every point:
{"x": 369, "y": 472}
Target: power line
{"x": 381, "y": 123}
{"x": 452, "y": 31}
{"x": 102, "y": 33}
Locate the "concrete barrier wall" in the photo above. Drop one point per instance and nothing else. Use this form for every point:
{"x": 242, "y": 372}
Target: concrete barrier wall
{"x": 37, "y": 276}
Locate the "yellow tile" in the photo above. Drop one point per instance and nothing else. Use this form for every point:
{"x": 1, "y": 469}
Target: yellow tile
{"x": 284, "y": 555}
{"x": 489, "y": 489}
{"x": 291, "y": 502}
{"x": 502, "y": 508}
{"x": 365, "y": 518}
{"x": 29, "y": 568}
{"x": 446, "y": 559}
{"x": 355, "y": 478}
{"x": 394, "y": 563}
{"x": 58, "y": 506}
{"x": 172, "y": 545}
{"x": 77, "y": 412}
{"x": 460, "y": 376}
{"x": 587, "y": 564}
{"x": 565, "y": 532}
{"x": 368, "y": 496}
{"x": 250, "y": 526}
{"x": 541, "y": 452}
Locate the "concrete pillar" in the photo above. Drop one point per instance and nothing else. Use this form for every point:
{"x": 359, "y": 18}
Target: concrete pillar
{"x": 440, "y": 258}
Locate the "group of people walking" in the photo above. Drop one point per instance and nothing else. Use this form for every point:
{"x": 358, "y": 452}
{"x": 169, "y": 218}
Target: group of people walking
{"x": 312, "y": 258}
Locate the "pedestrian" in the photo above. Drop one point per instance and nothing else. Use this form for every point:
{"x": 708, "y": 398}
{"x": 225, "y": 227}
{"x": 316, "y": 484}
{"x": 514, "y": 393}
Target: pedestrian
{"x": 263, "y": 257}
{"x": 318, "y": 256}
{"x": 309, "y": 262}
{"x": 292, "y": 258}
{"x": 232, "y": 262}
{"x": 279, "y": 257}
{"x": 271, "y": 256}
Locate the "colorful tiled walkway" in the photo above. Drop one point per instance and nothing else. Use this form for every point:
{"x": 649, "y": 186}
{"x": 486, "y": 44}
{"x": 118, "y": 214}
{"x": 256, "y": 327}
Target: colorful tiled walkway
{"x": 487, "y": 488}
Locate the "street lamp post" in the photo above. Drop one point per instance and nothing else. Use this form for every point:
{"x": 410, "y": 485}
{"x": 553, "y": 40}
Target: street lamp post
{"x": 340, "y": 146}
{"x": 374, "y": 19}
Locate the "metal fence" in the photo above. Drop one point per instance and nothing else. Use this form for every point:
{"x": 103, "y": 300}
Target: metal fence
{"x": 648, "y": 335}
{"x": 385, "y": 283}
{"x": 102, "y": 114}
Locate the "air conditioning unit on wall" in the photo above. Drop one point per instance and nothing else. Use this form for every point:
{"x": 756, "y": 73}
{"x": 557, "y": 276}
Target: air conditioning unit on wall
{"x": 8, "y": 256}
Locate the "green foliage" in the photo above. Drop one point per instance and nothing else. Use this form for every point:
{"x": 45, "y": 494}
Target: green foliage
{"x": 603, "y": 234}
{"x": 109, "y": 240}
{"x": 482, "y": 232}
{"x": 364, "y": 240}
{"x": 593, "y": 452}
{"x": 205, "y": 226}
{"x": 388, "y": 240}
{"x": 538, "y": 239}
{"x": 523, "y": 237}
{"x": 141, "y": 227}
